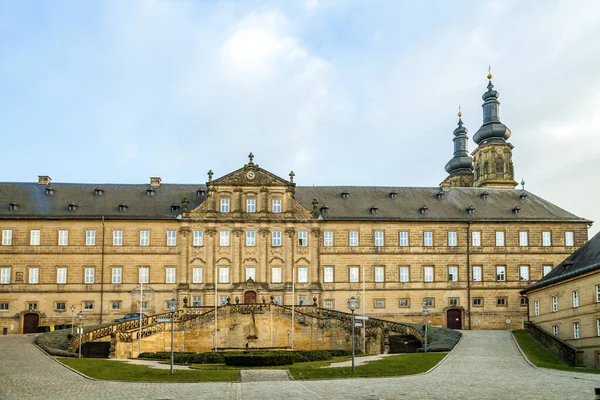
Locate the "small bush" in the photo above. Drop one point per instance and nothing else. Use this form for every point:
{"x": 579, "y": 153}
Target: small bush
{"x": 300, "y": 358}
{"x": 340, "y": 352}
{"x": 259, "y": 359}
{"x": 316, "y": 355}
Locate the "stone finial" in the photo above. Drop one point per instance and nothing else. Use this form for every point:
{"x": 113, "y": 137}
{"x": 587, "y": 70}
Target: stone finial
{"x": 210, "y": 175}
{"x": 185, "y": 203}
{"x": 251, "y": 158}
{"x": 292, "y": 174}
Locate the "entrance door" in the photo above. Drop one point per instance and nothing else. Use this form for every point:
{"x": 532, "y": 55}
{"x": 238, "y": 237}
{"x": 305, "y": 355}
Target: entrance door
{"x": 454, "y": 319}
{"x": 30, "y": 323}
{"x": 250, "y": 297}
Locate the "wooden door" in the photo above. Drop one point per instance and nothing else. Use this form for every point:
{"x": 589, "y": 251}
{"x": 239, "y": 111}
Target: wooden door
{"x": 454, "y": 319}
{"x": 250, "y": 297}
{"x": 30, "y": 323}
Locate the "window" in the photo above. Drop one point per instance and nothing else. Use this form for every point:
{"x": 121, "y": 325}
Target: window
{"x": 4, "y": 306}
{"x": 353, "y": 239}
{"x": 223, "y": 300}
{"x": 197, "y": 275}
{"x": 379, "y": 274}
{"x": 88, "y": 275}
{"x": 501, "y": 301}
{"x": 6, "y": 237}
{"x": 353, "y": 274}
{"x": 477, "y": 302}
{"x": 170, "y": 275}
{"x": 569, "y": 239}
{"x": 328, "y": 274}
{"x": 34, "y": 237}
{"x": 476, "y": 239}
{"x": 5, "y": 276}
{"x": 428, "y": 274}
{"x": 477, "y": 273}
{"x": 598, "y": 327}
{"x": 452, "y": 239}
{"x": 144, "y": 274}
{"x": 171, "y": 238}
{"x": 428, "y": 302}
{"x": 144, "y": 238}
{"x": 379, "y": 241}
{"x": 276, "y": 299}
{"x": 88, "y": 305}
{"x": 404, "y": 303}
{"x": 302, "y": 275}
{"x": 499, "y": 239}
{"x": 276, "y": 238}
{"x": 90, "y": 237}
{"x": 403, "y": 240}
{"x": 404, "y": 274}
{"x": 597, "y": 293}
{"x": 250, "y": 238}
{"x": 453, "y": 302}
{"x": 523, "y": 239}
{"x": 224, "y": 275}
{"x": 427, "y": 239}
{"x": 327, "y": 238}
{"x": 60, "y": 306}
{"x": 144, "y": 305}
{"x": 378, "y": 303}
{"x": 196, "y": 301}
{"x": 546, "y": 239}
{"x": 524, "y": 301}
{"x": 501, "y": 273}
{"x": 555, "y": 330}
{"x": 34, "y": 275}
{"x": 554, "y": 303}
{"x": 546, "y": 269}
{"x": 115, "y": 305}
{"x": 302, "y": 300}
{"x": 224, "y": 205}
{"x": 276, "y": 275}
{"x": 576, "y": 330}
{"x": 328, "y": 304}
{"x": 575, "y": 298}
{"x": 276, "y": 206}
{"x": 198, "y": 239}
{"x": 118, "y": 238}
{"x": 61, "y": 275}
{"x": 63, "y": 237}
{"x": 536, "y": 307}
{"x": 250, "y": 205}
{"x": 117, "y": 273}
{"x": 302, "y": 238}
{"x": 224, "y": 238}
{"x": 251, "y": 273}
{"x": 452, "y": 274}
{"x": 523, "y": 273}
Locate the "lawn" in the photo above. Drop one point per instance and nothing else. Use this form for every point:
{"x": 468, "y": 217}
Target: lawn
{"x": 542, "y": 357}
{"x": 120, "y": 371}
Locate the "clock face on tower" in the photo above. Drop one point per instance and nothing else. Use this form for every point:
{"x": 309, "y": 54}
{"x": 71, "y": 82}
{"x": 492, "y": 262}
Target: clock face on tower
{"x": 250, "y": 175}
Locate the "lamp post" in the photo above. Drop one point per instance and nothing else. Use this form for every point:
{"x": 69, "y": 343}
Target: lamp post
{"x": 72, "y": 318}
{"x": 80, "y": 316}
{"x": 172, "y": 307}
{"x": 425, "y": 324}
{"x": 353, "y": 305}
{"x": 288, "y": 331}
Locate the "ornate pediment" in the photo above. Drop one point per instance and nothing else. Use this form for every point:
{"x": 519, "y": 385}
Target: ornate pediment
{"x": 251, "y": 175}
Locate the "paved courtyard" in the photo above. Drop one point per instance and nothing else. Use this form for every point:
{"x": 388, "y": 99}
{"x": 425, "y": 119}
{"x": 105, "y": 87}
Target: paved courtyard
{"x": 485, "y": 365}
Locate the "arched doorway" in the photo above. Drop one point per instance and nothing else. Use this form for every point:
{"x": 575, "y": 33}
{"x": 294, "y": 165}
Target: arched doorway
{"x": 250, "y": 297}
{"x": 454, "y": 319}
{"x": 30, "y": 323}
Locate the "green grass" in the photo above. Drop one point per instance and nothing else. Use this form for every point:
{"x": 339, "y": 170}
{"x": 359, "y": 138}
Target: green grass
{"x": 120, "y": 371}
{"x": 309, "y": 364}
{"x": 542, "y": 357}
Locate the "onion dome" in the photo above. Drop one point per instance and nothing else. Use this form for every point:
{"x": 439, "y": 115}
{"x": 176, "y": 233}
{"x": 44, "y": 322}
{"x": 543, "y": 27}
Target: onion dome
{"x": 461, "y": 162}
{"x": 492, "y": 130}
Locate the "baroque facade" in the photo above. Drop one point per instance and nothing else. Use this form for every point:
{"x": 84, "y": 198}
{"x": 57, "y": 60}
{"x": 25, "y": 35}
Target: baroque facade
{"x": 464, "y": 249}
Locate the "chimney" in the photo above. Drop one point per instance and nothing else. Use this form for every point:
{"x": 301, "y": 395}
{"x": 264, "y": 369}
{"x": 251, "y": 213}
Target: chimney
{"x": 155, "y": 181}
{"x": 44, "y": 180}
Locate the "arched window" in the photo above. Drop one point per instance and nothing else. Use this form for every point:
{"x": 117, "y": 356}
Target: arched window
{"x": 477, "y": 172}
{"x": 499, "y": 167}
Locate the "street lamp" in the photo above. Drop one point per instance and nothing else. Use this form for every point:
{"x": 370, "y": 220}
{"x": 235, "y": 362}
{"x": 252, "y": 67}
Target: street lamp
{"x": 80, "y": 316}
{"x": 353, "y": 305}
{"x": 172, "y": 305}
{"x": 288, "y": 331}
{"x": 72, "y": 318}
{"x": 425, "y": 310}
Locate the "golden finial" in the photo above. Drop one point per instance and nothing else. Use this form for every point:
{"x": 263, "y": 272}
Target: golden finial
{"x": 459, "y": 112}
{"x": 489, "y": 72}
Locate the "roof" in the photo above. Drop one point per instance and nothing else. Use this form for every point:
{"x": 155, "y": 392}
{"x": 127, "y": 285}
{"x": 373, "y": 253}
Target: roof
{"x": 583, "y": 260}
{"x": 362, "y": 202}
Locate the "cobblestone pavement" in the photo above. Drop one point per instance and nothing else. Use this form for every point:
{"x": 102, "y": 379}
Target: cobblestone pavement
{"x": 358, "y": 361}
{"x": 264, "y": 375}
{"x": 485, "y": 365}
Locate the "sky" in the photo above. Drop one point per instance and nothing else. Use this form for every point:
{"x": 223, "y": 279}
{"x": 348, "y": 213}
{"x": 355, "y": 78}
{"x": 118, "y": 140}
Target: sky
{"x": 341, "y": 92}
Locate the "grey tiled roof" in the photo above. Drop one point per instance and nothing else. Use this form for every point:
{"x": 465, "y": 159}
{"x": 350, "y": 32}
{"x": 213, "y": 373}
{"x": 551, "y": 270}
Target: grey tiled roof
{"x": 34, "y": 203}
{"x": 583, "y": 260}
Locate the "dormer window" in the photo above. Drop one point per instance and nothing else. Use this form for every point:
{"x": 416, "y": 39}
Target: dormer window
{"x": 200, "y": 192}
{"x": 374, "y": 210}
{"x": 393, "y": 194}
{"x": 174, "y": 207}
{"x": 484, "y": 195}
{"x": 13, "y": 206}
{"x": 324, "y": 210}
{"x": 150, "y": 191}
{"x": 523, "y": 195}
{"x": 516, "y": 210}
{"x": 345, "y": 194}
{"x": 440, "y": 195}
{"x": 424, "y": 210}
{"x": 123, "y": 207}
{"x": 73, "y": 206}
{"x": 471, "y": 210}
{"x": 49, "y": 191}
{"x": 98, "y": 191}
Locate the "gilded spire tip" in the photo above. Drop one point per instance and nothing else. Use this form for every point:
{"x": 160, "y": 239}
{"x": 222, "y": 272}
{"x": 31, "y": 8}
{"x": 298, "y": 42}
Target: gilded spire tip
{"x": 489, "y": 72}
{"x": 459, "y": 112}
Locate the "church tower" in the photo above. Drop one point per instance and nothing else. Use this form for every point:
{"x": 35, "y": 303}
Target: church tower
{"x": 460, "y": 167}
{"x": 493, "y": 156}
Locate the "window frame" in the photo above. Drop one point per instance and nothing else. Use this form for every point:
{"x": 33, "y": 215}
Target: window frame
{"x": 276, "y": 206}
{"x": 117, "y": 237}
{"x": 478, "y": 300}
{"x": 224, "y": 206}
{"x": 379, "y": 274}
{"x": 501, "y": 301}
{"x": 118, "y": 275}
{"x": 546, "y": 238}
{"x": 379, "y": 302}
{"x": 428, "y": 239}
{"x": 476, "y": 238}
{"x": 401, "y": 269}
{"x": 523, "y": 239}
{"x": 198, "y": 238}
{"x": 353, "y": 239}
{"x": 250, "y": 272}
{"x": 452, "y": 239}
{"x": 171, "y": 238}
{"x": 569, "y": 239}
{"x": 328, "y": 238}
{"x": 575, "y": 298}
{"x": 7, "y": 235}
{"x": 554, "y": 304}
{"x": 90, "y": 237}
{"x": 403, "y": 241}
{"x": 379, "y": 238}
{"x": 576, "y": 330}
{"x": 144, "y": 275}
{"x": 452, "y": 276}
{"x": 524, "y": 268}
{"x": 30, "y": 276}
{"x": 544, "y": 267}
{"x": 353, "y": 274}
{"x": 250, "y": 205}
{"x": 145, "y": 237}
{"x": 500, "y": 273}
{"x": 35, "y": 240}
{"x": 170, "y": 275}
{"x": 302, "y": 238}
{"x": 302, "y": 274}
{"x": 428, "y": 302}
{"x": 536, "y": 308}
{"x": 275, "y": 238}
{"x": 276, "y": 277}
{"x": 197, "y": 275}
{"x": 89, "y": 275}
{"x": 223, "y": 274}
{"x": 5, "y": 275}
{"x": 62, "y": 274}
{"x": 500, "y": 239}
{"x": 477, "y": 277}
{"x": 328, "y": 274}
{"x": 406, "y": 302}
{"x": 63, "y": 237}
{"x": 428, "y": 270}
{"x": 224, "y": 238}
{"x": 250, "y": 238}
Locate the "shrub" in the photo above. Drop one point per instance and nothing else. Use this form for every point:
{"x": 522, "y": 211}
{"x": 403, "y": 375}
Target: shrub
{"x": 316, "y": 355}
{"x": 340, "y": 352}
{"x": 300, "y": 358}
{"x": 259, "y": 359}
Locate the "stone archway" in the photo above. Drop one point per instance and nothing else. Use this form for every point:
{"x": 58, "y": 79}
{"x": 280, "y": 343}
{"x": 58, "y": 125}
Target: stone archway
{"x": 31, "y": 321}
{"x": 250, "y": 297}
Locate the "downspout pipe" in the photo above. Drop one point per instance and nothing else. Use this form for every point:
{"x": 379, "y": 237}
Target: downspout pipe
{"x": 469, "y": 274}
{"x": 102, "y": 275}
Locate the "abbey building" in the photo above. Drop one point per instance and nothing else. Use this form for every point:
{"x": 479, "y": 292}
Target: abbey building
{"x": 465, "y": 249}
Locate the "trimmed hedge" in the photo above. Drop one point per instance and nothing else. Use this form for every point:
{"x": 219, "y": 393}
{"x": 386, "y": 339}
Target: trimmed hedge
{"x": 259, "y": 359}
{"x": 219, "y": 358}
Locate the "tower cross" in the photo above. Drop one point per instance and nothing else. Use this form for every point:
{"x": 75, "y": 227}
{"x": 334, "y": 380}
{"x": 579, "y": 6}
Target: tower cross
{"x": 251, "y": 157}
{"x": 292, "y": 174}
